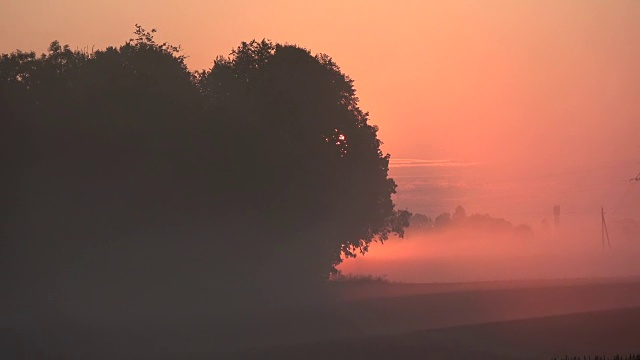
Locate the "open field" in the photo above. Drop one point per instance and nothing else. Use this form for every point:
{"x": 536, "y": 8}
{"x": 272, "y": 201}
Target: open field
{"x": 603, "y": 333}
{"x": 492, "y": 319}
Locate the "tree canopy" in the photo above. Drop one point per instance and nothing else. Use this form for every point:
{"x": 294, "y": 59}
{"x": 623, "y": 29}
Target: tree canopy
{"x": 124, "y": 168}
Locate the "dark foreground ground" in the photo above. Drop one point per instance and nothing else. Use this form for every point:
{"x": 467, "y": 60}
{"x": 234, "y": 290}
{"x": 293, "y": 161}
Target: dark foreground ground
{"x": 507, "y": 320}
{"x": 603, "y": 333}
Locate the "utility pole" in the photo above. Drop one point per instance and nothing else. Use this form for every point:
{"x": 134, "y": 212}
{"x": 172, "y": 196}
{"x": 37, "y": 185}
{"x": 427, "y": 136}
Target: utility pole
{"x": 604, "y": 231}
{"x": 556, "y": 217}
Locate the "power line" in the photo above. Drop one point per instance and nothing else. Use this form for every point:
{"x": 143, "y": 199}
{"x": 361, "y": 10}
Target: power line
{"x": 605, "y": 231}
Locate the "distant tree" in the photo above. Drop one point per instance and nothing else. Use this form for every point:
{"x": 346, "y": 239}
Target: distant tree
{"x": 476, "y": 223}
{"x": 459, "y": 214}
{"x": 545, "y": 227}
{"x": 442, "y": 221}
{"x": 524, "y": 231}
{"x": 420, "y": 222}
{"x": 486, "y": 222}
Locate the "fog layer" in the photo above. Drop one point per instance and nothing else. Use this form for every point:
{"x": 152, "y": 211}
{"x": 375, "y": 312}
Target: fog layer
{"x": 573, "y": 250}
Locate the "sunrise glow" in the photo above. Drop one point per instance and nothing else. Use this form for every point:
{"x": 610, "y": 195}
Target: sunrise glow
{"x": 337, "y": 179}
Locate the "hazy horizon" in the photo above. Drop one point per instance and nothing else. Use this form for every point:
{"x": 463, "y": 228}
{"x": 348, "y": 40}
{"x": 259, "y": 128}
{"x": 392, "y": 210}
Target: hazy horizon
{"x": 506, "y": 108}
{"x": 574, "y": 250}
{"x": 185, "y": 179}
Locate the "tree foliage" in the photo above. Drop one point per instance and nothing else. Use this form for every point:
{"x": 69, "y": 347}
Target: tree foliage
{"x": 124, "y": 168}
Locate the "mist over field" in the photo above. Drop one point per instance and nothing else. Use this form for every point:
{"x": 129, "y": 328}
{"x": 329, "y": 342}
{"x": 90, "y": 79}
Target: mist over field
{"x": 466, "y": 256}
{"x": 573, "y": 249}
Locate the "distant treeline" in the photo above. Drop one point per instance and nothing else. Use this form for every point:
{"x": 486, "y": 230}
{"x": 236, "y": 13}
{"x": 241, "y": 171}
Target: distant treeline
{"x": 459, "y": 220}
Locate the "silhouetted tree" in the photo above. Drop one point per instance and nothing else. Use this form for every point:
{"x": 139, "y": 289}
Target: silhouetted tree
{"x": 420, "y": 222}
{"x": 488, "y": 223}
{"x": 303, "y": 154}
{"x": 475, "y": 222}
{"x": 459, "y": 214}
{"x": 443, "y": 220}
{"x": 524, "y": 231}
{"x": 127, "y": 173}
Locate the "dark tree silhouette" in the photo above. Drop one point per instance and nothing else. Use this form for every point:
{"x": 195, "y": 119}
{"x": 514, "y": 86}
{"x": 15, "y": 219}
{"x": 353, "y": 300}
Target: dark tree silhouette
{"x": 442, "y": 221}
{"x": 304, "y": 151}
{"x": 460, "y": 221}
{"x": 420, "y": 221}
{"x": 129, "y": 176}
{"x": 459, "y": 214}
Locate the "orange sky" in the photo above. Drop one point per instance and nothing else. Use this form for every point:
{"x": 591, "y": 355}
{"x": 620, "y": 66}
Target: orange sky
{"x": 537, "y": 102}
{"x": 478, "y": 80}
